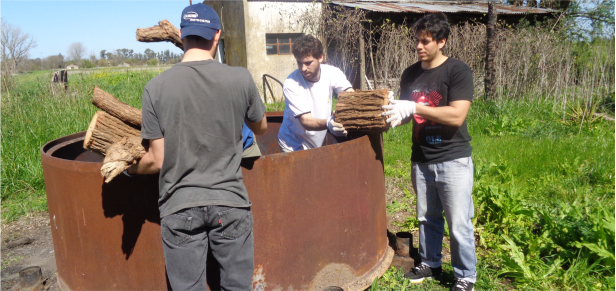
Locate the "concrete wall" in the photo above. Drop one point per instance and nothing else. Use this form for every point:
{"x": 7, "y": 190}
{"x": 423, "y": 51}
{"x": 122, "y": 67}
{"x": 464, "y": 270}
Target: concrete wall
{"x": 274, "y": 17}
{"x": 232, "y": 16}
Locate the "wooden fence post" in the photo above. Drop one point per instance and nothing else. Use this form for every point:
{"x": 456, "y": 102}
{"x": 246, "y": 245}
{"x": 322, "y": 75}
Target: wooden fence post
{"x": 490, "y": 74}
{"x": 362, "y": 61}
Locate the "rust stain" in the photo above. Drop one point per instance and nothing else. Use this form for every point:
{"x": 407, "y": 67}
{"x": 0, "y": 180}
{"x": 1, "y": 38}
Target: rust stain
{"x": 258, "y": 279}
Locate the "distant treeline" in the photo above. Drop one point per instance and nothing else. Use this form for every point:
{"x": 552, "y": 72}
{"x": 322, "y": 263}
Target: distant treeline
{"x": 103, "y": 59}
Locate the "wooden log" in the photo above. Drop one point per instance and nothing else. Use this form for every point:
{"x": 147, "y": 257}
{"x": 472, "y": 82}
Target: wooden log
{"x": 117, "y": 141}
{"x": 164, "y": 31}
{"x": 116, "y": 108}
{"x": 360, "y": 111}
{"x": 104, "y": 130}
{"x": 115, "y": 134}
{"x": 120, "y": 156}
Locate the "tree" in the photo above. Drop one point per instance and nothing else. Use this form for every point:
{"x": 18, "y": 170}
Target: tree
{"x": 88, "y": 64}
{"x": 102, "y": 54}
{"x": 124, "y": 54}
{"x": 102, "y": 63}
{"x": 591, "y": 19}
{"x": 581, "y": 19}
{"x": 93, "y": 57}
{"x": 76, "y": 51}
{"x": 53, "y": 62}
{"x": 29, "y": 65}
{"x": 153, "y": 62}
{"x": 149, "y": 54}
{"x": 15, "y": 47}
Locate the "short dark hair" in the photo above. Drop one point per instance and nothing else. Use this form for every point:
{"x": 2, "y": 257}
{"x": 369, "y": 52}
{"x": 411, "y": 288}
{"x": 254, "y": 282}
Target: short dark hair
{"x": 307, "y": 45}
{"x": 195, "y": 39}
{"x": 434, "y": 23}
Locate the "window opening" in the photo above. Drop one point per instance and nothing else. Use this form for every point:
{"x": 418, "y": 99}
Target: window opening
{"x": 280, "y": 43}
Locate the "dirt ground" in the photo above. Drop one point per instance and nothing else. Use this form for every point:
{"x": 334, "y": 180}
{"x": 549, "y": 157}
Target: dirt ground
{"x": 27, "y": 242}
{"x": 394, "y": 191}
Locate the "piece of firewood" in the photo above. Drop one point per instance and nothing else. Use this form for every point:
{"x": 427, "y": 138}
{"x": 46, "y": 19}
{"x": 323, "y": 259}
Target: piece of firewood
{"x": 117, "y": 141}
{"x": 360, "y": 111}
{"x": 164, "y": 31}
{"x": 105, "y": 130}
{"x": 116, "y": 108}
{"x": 114, "y": 134}
{"x": 120, "y": 156}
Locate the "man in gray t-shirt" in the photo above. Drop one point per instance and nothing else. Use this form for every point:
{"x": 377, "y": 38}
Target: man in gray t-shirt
{"x": 193, "y": 115}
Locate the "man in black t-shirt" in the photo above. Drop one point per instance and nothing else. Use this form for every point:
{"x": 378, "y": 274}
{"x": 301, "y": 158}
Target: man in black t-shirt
{"x": 436, "y": 94}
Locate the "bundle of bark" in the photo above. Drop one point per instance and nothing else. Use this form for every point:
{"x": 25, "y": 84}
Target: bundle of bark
{"x": 360, "y": 111}
{"x": 114, "y": 133}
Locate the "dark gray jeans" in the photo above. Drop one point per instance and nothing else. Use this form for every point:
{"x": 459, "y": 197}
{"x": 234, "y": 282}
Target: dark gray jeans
{"x": 187, "y": 235}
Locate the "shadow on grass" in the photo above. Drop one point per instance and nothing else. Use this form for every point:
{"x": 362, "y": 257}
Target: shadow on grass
{"x": 446, "y": 279}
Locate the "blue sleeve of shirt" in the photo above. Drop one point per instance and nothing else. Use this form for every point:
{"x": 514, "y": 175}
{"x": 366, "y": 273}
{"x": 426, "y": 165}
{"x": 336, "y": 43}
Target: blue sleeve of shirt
{"x": 247, "y": 136}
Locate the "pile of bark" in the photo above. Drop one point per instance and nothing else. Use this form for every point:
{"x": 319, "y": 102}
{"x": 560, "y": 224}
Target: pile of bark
{"x": 360, "y": 111}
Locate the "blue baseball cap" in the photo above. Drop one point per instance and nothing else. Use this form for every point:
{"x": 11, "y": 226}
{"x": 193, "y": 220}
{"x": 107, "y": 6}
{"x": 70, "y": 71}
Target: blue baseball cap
{"x": 200, "y": 20}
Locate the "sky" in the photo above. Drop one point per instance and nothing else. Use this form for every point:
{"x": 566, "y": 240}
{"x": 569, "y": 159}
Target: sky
{"x": 98, "y": 25}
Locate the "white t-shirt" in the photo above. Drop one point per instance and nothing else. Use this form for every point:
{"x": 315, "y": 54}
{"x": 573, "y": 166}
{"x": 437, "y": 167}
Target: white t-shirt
{"x": 303, "y": 96}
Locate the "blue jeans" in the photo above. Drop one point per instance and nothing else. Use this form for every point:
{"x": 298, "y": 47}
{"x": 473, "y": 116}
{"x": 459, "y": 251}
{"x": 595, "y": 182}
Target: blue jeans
{"x": 446, "y": 186}
{"x": 187, "y": 235}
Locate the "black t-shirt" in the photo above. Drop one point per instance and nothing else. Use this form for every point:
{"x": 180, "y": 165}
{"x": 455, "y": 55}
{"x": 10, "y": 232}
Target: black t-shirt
{"x": 451, "y": 81}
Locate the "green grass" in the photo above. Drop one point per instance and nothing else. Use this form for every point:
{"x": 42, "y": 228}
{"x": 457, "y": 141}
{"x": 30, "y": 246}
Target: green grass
{"x": 544, "y": 197}
{"x": 544, "y": 188}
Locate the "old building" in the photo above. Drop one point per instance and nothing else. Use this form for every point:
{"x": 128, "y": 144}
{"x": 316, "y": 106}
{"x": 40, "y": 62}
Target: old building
{"x": 259, "y": 35}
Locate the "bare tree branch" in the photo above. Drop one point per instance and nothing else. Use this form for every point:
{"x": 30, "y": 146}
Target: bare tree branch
{"x": 15, "y": 46}
{"x": 76, "y": 51}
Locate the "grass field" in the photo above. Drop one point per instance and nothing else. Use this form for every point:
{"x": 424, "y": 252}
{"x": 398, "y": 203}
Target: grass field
{"x": 544, "y": 189}
{"x": 544, "y": 197}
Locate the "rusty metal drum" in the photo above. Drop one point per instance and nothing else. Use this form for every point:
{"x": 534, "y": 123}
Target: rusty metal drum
{"x": 319, "y": 217}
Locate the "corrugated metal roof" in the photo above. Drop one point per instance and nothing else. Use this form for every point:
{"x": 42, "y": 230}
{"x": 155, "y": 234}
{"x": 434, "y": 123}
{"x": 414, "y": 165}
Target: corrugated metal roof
{"x": 451, "y": 7}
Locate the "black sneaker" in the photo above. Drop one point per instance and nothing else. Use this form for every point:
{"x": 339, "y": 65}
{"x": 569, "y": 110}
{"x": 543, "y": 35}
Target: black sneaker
{"x": 462, "y": 285}
{"x": 419, "y": 273}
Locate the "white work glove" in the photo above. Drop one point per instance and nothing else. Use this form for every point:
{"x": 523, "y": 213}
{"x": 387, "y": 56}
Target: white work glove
{"x": 335, "y": 128}
{"x": 401, "y": 111}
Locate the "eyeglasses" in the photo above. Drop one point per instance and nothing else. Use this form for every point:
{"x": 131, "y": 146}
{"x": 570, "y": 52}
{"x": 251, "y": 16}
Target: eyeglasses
{"x": 423, "y": 41}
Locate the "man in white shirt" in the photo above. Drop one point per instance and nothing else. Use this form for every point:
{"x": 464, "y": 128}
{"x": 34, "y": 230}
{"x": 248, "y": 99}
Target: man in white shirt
{"x": 308, "y": 98}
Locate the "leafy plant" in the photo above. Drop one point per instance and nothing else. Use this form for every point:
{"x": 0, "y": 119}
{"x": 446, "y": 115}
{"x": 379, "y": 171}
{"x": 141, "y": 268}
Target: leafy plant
{"x": 579, "y": 113}
{"x": 503, "y": 125}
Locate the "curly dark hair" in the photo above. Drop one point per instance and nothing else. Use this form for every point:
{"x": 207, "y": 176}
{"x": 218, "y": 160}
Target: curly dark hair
{"x": 307, "y": 45}
{"x": 434, "y": 23}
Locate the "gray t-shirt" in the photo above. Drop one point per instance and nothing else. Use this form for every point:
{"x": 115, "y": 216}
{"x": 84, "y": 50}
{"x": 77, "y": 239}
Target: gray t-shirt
{"x": 199, "y": 108}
